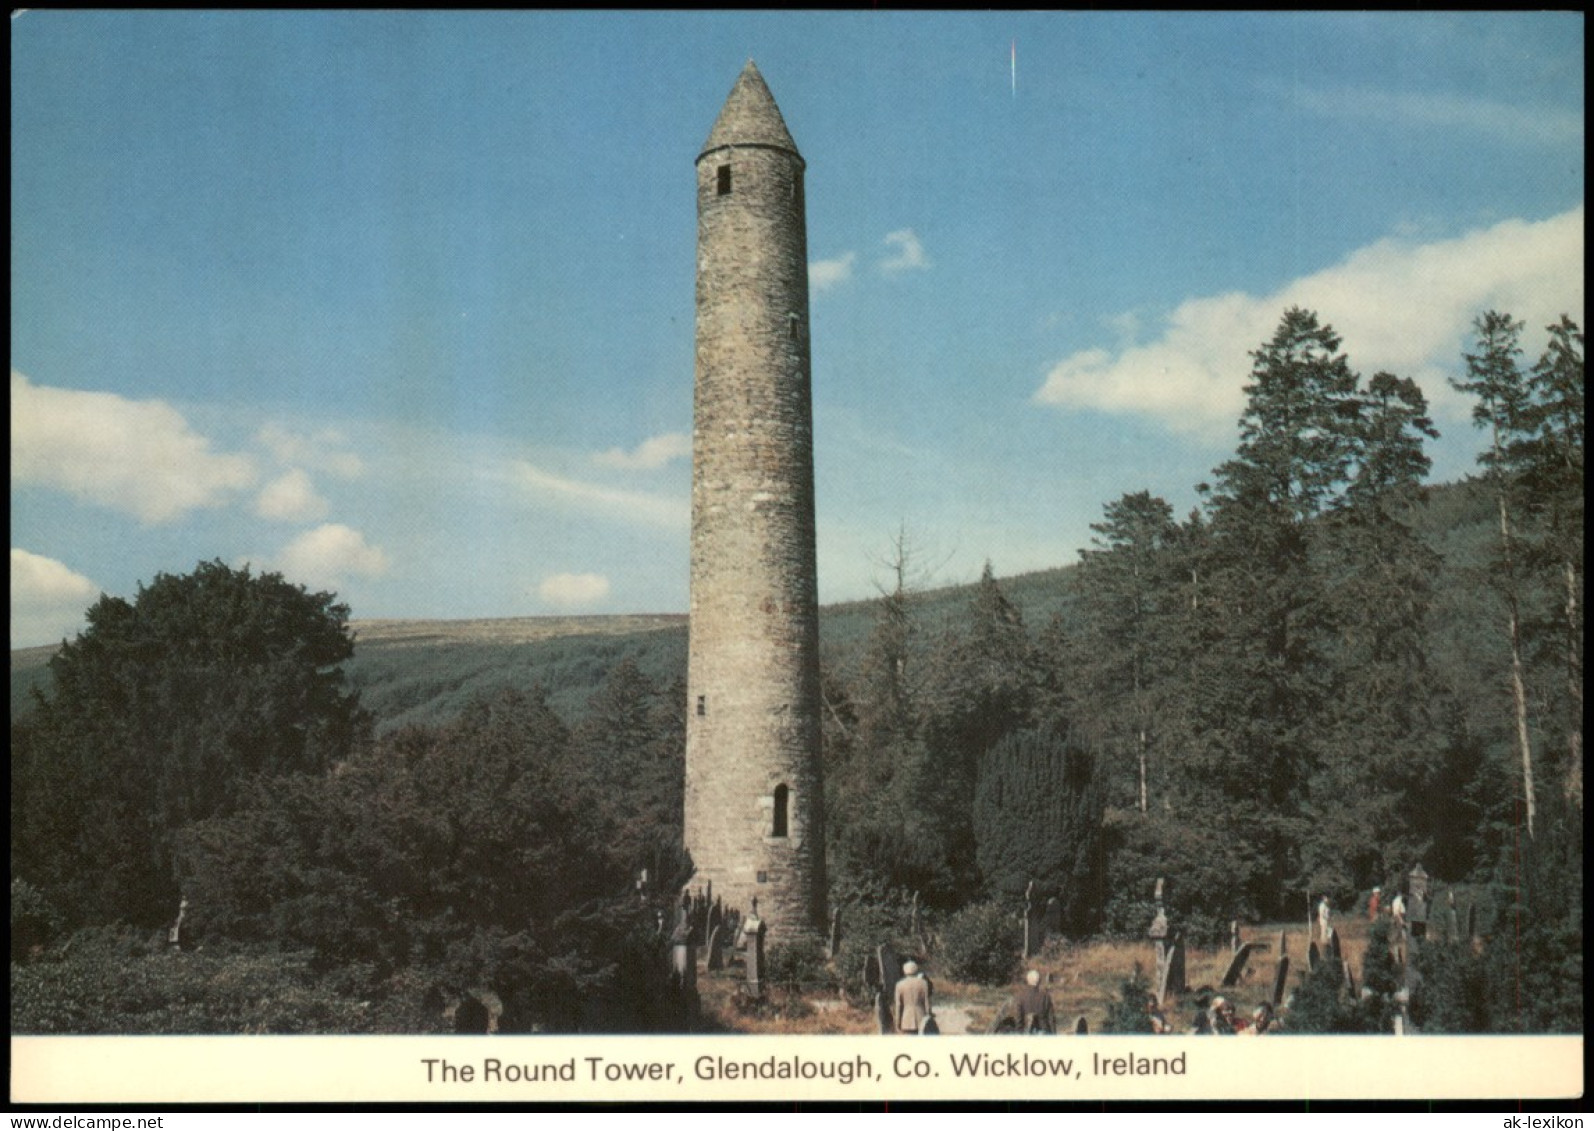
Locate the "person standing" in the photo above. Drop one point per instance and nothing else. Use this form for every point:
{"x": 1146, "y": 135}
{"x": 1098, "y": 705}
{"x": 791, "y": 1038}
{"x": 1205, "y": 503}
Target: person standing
{"x": 1032, "y": 1006}
{"x": 912, "y": 1000}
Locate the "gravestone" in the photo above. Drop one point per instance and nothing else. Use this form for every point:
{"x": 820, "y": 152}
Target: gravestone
{"x": 835, "y": 933}
{"x": 1053, "y": 923}
{"x": 716, "y": 949}
{"x": 1231, "y": 976}
{"x": 1081, "y": 1026}
{"x": 1333, "y": 944}
{"x": 174, "y": 937}
{"x": 1311, "y": 956}
{"x": 1417, "y": 902}
{"x": 755, "y": 961}
{"x": 716, "y": 916}
{"x": 1158, "y": 934}
{"x": 890, "y": 971}
{"x": 471, "y": 1015}
{"x": 1170, "y": 972}
{"x": 683, "y": 965}
{"x": 1279, "y": 980}
{"x": 884, "y": 1011}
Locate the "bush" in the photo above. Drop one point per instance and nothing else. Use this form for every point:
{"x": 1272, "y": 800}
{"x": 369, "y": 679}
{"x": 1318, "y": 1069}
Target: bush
{"x": 1128, "y": 1013}
{"x": 797, "y": 965}
{"x": 981, "y": 944}
{"x": 34, "y": 920}
{"x": 1208, "y": 874}
{"x": 108, "y": 980}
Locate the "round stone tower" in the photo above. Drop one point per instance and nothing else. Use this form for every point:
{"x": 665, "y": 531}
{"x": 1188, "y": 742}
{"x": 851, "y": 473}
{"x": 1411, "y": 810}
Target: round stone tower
{"x": 754, "y": 821}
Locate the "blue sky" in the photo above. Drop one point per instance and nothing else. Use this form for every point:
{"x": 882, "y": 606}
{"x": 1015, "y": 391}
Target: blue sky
{"x": 401, "y": 304}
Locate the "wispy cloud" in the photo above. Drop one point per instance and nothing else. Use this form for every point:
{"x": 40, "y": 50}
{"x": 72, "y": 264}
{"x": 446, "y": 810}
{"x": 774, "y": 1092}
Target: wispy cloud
{"x": 908, "y": 253}
{"x": 826, "y": 273}
{"x": 331, "y": 554}
{"x": 651, "y": 454}
{"x": 325, "y": 450}
{"x": 1535, "y": 125}
{"x": 48, "y": 599}
{"x": 141, "y": 457}
{"x": 573, "y": 590}
{"x": 290, "y": 498}
{"x": 1398, "y": 304}
{"x": 632, "y": 506}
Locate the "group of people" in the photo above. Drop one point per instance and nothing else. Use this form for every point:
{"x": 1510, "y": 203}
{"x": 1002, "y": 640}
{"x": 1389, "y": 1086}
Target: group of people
{"x": 1221, "y": 1019}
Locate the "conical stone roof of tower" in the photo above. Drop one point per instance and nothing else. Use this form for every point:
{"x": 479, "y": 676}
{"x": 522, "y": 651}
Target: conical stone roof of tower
{"x": 749, "y": 117}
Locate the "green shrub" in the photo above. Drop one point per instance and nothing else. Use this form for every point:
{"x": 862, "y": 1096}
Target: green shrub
{"x": 34, "y": 920}
{"x": 1128, "y": 1013}
{"x": 981, "y": 944}
{"x": 797, "y": 965}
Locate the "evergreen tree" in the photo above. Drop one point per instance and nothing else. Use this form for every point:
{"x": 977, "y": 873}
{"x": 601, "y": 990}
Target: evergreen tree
{"x": 1554, "y": 487}
{"x": 1260, "y": 689}
{"x": 1495, "y": 378}
{"x": 159, "y": 714}
{"x": 1121, "y": 654}
{"x": 1037, "y": 815}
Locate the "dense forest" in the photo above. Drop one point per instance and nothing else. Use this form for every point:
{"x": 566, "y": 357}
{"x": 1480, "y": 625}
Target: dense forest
{"x": 1327, "y": 672}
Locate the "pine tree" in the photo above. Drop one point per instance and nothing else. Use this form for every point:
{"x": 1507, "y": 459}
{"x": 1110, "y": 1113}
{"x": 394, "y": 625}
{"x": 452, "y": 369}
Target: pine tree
{"x": 1120, "y": 654}
{"x": 1495, "y": 378}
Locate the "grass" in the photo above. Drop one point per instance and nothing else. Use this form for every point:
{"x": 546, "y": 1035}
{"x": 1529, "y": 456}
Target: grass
{"x": 1084, "y": 979}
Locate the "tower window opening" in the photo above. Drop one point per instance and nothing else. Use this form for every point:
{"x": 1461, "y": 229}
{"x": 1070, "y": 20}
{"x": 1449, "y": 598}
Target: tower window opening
{"x": 702, "y": 705}
{"x": 792, "y": 323}
{"x": 724, "y": 181}
{"x": 782, "y": 796}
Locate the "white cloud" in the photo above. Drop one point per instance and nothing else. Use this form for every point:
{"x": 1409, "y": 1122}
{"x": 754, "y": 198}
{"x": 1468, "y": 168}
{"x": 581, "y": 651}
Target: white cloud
{"x": 329, "y": 554}
{"x": 290, "y": 498}
{"x": 573, "y": 590}
{"x": 1541, "y": 125}
{"x": 324, "y": 451}
{"x": 826, "y": 273}
{"x": 135, "y": 456}
{"x": 1398, "y": 305}
{"x": 47, "y": 599}
{"x": 909, "y": 253}
{"x": 654, "y": 452}
{"x": 630, "y": 505}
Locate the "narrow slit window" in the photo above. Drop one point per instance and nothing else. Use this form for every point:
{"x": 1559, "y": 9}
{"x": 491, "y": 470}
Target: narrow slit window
{"x": 792, "y": 323}
{"x": 724, "y": 181}
{"x": 782, "y": 796}
{"x": 702, "y": 705}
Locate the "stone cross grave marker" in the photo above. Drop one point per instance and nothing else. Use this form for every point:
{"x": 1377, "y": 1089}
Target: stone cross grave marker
{"x": 716, "y": 948}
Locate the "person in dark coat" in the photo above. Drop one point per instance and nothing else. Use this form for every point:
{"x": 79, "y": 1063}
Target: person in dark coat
{"x": 1032, "y": 1006}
